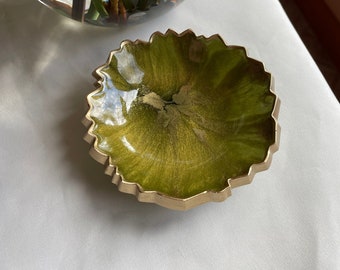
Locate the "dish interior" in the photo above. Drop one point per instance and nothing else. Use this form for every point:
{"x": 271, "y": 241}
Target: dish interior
{"x": 182, "y": 114}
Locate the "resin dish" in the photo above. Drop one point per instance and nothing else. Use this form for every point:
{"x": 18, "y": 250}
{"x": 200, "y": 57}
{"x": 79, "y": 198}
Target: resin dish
{"x": 182, "y": 119}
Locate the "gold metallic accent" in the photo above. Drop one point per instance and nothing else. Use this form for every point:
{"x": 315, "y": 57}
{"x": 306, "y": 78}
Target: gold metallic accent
{"x": 160, "y": 198}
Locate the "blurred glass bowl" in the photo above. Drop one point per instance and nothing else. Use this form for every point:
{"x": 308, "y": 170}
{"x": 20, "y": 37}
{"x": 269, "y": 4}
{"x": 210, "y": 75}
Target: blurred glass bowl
{"x": 110, "y": 12}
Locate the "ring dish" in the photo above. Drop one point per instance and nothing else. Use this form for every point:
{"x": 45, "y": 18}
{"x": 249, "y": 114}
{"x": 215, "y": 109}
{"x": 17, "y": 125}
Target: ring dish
{"x": 182, "y": 119}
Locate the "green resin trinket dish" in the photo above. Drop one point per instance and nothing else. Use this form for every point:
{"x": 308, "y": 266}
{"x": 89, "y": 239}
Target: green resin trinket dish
{"x": 182, "y": 119}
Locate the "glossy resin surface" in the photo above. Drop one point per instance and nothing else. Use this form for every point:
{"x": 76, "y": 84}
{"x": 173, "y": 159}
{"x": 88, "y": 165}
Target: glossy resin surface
{"x": 182, "y": 115}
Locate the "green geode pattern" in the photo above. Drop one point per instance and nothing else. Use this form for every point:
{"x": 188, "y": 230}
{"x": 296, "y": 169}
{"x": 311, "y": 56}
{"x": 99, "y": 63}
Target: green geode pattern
{"x": 182, "y": 114}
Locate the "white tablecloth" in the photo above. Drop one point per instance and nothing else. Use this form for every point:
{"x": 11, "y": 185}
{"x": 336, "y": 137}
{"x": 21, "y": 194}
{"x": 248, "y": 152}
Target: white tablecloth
{"x": 59, "y": 210}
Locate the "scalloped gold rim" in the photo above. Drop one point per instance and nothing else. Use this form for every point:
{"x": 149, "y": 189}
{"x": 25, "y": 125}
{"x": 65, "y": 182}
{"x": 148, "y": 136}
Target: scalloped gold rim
{"x": 155, "y": 196}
